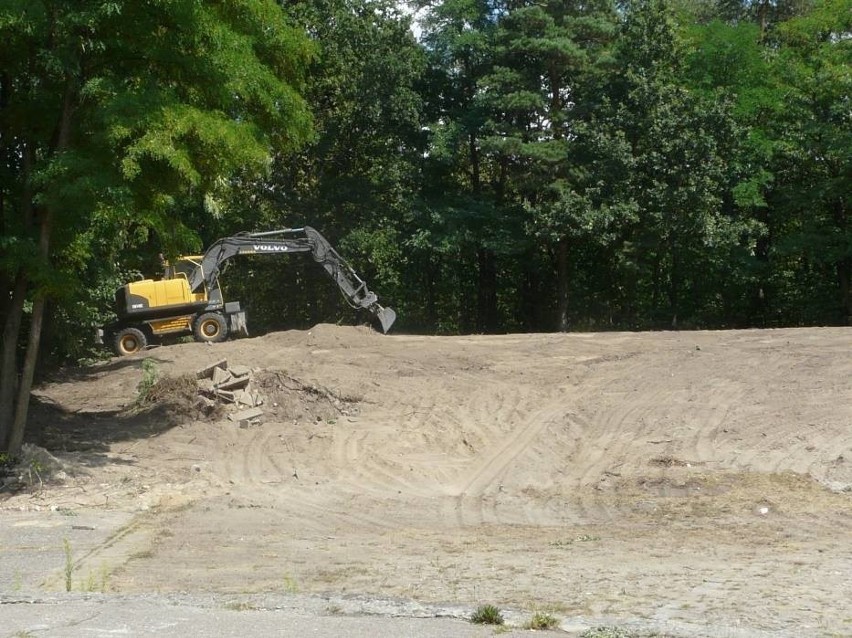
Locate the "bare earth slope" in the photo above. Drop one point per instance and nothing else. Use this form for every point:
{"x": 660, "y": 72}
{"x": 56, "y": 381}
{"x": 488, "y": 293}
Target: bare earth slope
{"x": 697, "y": 483}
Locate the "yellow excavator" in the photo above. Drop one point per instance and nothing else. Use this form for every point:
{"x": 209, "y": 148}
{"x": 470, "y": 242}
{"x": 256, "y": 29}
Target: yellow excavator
{"x": 188, "y": 299}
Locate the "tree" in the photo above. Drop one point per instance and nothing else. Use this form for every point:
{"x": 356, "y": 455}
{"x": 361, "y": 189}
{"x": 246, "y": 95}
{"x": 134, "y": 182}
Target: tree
{"x": 815, "y": 164}
{"x": 463, "y": 221}
{"x": 114, "y": 113}
{"x": 355, "y": 180}
{"x": 673, "y": 146}
{"x": 548, "y": 58}
{"x": 790, "y": 173}
{"x": 729, "y": 63}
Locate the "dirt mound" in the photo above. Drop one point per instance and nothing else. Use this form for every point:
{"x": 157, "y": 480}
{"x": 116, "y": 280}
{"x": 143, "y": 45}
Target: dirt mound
{"x": 172, "y": 393}
{"x": 599, "y": 475}
{"x": 290, "y": 400}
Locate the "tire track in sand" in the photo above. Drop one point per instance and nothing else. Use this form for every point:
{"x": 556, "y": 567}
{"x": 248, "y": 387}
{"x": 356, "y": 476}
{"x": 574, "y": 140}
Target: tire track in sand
{"x": 467, "y": 504}
{"x": 433, "y": 444}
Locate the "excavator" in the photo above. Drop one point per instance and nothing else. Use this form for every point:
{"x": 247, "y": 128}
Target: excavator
{"x": 188, "y": 299}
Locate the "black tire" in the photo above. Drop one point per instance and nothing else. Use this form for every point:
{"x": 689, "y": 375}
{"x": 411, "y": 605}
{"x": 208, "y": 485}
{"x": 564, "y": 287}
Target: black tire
{"x": 211, "y": 327}
{"x": 129, "y": 341}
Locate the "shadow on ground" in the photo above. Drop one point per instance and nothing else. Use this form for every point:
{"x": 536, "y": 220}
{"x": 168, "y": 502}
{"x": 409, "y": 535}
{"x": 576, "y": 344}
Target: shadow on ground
{"x": 59, "y": 430}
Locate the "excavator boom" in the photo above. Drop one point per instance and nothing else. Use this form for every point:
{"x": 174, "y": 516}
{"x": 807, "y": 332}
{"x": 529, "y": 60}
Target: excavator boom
{"x": 292, "y": 240}
{"x": 188, "y": 298}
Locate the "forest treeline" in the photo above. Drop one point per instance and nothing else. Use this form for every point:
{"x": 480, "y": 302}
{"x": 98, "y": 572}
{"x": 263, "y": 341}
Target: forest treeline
{"x": 515, "y": 166}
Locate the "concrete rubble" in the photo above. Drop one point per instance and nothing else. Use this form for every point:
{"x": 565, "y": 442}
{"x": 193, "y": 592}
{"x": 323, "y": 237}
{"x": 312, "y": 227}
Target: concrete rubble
{"x": 220, "y": 384}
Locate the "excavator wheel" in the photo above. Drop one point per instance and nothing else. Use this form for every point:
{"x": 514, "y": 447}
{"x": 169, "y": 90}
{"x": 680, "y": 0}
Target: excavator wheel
{"x": 129, "y": 341}
{"x": 211, "y": 326}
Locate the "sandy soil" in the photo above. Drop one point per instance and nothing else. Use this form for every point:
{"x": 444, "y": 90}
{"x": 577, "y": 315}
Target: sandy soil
{"x": 693, "y": 483}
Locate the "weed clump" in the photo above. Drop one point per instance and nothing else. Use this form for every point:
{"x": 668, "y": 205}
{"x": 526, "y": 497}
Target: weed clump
{"x": 541, "y": 621}
{"x": 150, "y": 374}
{"x": 182, "y": 389}
{"x": 487, "y": 615}
{"x": 178, "y": 393}
{"x": 69, "y": 564}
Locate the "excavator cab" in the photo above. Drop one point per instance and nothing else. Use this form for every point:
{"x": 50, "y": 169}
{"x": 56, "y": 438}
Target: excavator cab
{"x": 182, "y": 268}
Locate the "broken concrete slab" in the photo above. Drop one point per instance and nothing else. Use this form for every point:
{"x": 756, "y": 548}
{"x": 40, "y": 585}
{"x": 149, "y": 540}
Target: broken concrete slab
{"x": 245, "y": 397}
{"x": 240, "y": 371}
{"x": 226, "y": 395}
{"x": 246, "y": 415}
{"x": 205, "y": 385}
{"x": 207, "y": 371}
{"x": 227, "y": 384}
{"x": 220, "y": 376}
{"x": 233, "y": 384}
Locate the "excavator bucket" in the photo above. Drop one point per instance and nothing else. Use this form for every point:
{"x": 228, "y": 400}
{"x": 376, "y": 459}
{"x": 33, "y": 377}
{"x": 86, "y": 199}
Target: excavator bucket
{"x": 386, "y": 317}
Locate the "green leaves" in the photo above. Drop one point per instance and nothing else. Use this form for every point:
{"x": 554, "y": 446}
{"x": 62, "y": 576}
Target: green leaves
{"x": 167, "y": 97}
{"x": 118, "y": 119}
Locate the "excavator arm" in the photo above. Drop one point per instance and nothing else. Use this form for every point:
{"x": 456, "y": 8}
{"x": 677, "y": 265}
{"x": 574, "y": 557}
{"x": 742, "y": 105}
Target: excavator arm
{"x": 292, "y": 240}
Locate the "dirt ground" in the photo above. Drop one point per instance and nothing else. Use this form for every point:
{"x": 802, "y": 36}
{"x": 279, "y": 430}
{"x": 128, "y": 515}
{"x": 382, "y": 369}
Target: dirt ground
{"x": 688, "y": 483}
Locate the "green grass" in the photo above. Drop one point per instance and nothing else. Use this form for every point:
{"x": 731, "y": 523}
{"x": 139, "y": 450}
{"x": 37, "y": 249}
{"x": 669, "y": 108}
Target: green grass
{"x": 290, "y": 584}
{"x": 149, "y": 379}
{"x": 69, "y": 564}
{"x": 487, "y": 615}
{"x": 96, "y": 582}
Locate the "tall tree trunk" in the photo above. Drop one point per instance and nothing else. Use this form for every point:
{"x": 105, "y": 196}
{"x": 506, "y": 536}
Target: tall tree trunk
{"x": 6, "y": 280}
{"x": 45, "y": 219}
{"x": 475, "y": 179}
{"x": 844, "y": 275}
{"x": 8, "y": 363}
{"x": 466, "y": 292}
{"x": 762, "y": 291}
{"x": 6, "y": 287}
{"x": 16, "y": 437}
{"x": 6, "y": 284}
{"x": 15, "y": 312}
{"x": 555, "y": 104}
{"x": 674, "y": 285}
{"x": 763, "y": 18}
{"x": 562, "y": 285}
{"x": 844, "y": 265}
{"x": 486, "y": 288}
{"x": 487, "y": 291}
{"x": 486, "y": 268}
{"x": 431, "y": 272}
